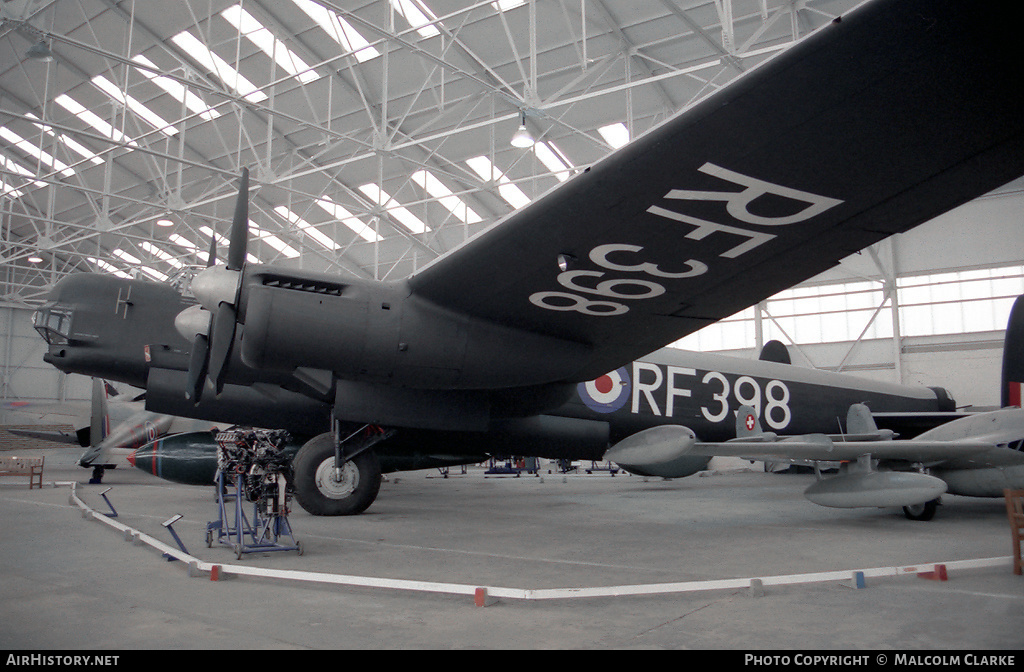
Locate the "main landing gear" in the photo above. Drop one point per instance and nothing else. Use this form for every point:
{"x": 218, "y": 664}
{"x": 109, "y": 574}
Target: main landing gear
{"x": 335, "y": 475}
{"x": 925, "y": 511}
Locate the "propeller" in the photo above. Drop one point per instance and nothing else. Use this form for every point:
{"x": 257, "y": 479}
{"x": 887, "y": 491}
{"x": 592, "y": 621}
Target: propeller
{"x": 212, "y": 325}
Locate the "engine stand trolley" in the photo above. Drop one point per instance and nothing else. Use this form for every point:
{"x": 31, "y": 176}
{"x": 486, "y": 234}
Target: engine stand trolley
{"x": 252, "y": 469}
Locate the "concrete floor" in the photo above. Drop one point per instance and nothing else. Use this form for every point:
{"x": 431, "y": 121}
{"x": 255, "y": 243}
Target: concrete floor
{"x": 73, "y": 583}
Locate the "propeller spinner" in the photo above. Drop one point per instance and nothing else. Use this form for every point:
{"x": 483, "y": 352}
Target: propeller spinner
{"x": 211, "y": 326}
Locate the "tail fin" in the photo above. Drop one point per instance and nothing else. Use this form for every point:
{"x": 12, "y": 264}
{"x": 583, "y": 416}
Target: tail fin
{"x": 748, "y": 425}
{"x": 859, "y": 420}
{"x": 1013, "y": 356}
{"x": 775, "y": 351}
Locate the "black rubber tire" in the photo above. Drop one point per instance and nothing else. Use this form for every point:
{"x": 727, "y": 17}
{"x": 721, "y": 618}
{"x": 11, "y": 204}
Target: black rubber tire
{"x": 309, "y": 471}
{"x": 924, "y": 511}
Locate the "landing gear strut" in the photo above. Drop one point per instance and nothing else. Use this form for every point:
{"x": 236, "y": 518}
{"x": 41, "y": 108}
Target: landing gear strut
{"x": 338, "y": 476}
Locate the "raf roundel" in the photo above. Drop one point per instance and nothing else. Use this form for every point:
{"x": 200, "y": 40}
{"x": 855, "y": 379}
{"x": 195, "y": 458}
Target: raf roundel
{"x": 608, "y": 393}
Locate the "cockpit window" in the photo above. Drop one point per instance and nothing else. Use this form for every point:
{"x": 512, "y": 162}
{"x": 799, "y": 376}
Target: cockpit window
{"x": 53, "y": 324}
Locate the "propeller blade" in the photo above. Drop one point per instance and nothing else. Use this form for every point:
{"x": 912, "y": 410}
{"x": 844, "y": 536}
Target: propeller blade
{"x": 212, "y": 260}
{"x": 197, "y": 368}
{"x": 237, "y": 240}
{"x": 222, "y": 336}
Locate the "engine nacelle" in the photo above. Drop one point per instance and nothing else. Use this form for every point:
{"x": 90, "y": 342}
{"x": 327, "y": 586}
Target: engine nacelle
{"x": 664, "y": 451}
{"x": 875, "y": 489}
{"x": 372, "y": 332}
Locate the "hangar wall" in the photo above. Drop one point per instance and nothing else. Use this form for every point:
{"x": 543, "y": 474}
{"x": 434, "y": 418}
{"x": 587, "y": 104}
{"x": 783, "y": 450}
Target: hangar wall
{"x": 985, "y": 233}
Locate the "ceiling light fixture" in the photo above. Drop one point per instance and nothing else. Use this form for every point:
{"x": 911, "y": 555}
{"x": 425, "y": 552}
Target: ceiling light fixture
{"x": 40, "y": 51}
{"x": 522, "y": 138}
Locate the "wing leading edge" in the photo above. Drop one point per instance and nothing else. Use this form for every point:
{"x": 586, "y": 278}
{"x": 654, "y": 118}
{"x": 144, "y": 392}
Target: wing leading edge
{"x": 899, "y": 112}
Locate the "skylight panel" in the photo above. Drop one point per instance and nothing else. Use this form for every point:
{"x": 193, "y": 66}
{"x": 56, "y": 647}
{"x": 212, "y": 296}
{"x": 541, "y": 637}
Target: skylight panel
{"x": 182, "y": 241}
{"x": 272, "y": 240}
{"x": 348, "y": 219}
{"x": 259, "y": 35}
{"x": 553, "y": 159}
{"x": 177, "y": 90}
{"x": 340, "y": 30}
{"x": 154, "y": 119}
{"x": 399, "y": 212}
{"x": 488, "y": 172}
{"x": 316, "y": 234}
{"x": 92, "y": 119}
{"x": 135, "y": 261}
{"x": 73, "y": 145}
{"x": 160, "y": 254}
{"x": 110, "y": 268}
{"x": 30, "y": 148}
{"x": 418, "y": 15}
{"x": 126, "y": 256}
{"x": 153, "y": 273}
{"x": 445, "y": 197}
{"x": 232, "y": 78}
{"x": 223, "y": 242}
{"x": 13, "y": 166}
{"x": 505, "y": 5}
{"x": 7, "y": 190}
{"x": 615, "y": 135}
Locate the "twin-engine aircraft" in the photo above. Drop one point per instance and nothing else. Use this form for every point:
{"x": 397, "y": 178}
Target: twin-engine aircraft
{"x": 884, "y": 119}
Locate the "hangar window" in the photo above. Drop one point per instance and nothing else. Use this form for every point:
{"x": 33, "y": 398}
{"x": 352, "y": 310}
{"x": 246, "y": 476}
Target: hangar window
{"x": 929, "y": 305}
{"x": 959, "y": 302}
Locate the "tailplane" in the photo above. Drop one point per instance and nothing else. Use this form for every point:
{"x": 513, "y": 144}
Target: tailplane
{"x": 99, "y": 422}
{"x": 1013, "y": 356}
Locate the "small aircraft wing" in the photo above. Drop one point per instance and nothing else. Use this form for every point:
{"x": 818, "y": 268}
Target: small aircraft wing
{"x": 753, "y": 443}
{"x": 54, "y": 436}
{"x": 882, "y": 120}
{"x": 820, "y": 448}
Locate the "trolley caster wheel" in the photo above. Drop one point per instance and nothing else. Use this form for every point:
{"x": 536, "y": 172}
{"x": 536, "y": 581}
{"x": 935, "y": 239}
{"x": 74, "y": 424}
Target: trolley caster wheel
{"x": 300, "y": 548}
{"x": 237, "y": 548}
{"x": 209, "y": 538}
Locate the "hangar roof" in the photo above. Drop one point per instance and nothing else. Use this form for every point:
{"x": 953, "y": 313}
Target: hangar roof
{"x": 377, "y": 132}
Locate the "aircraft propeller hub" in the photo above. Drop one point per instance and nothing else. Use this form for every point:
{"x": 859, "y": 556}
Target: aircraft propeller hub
{"x": 193, "y": 321}
{"x": 216, "y": 285}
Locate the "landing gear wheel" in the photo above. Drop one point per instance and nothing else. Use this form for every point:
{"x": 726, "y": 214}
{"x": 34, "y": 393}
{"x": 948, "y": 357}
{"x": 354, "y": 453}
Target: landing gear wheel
{"x": 924, "y": 511}
{"x": 318, "y": 489}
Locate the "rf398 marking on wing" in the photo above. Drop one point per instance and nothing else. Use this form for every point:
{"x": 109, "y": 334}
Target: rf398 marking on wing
{"x": 632, "y": 288}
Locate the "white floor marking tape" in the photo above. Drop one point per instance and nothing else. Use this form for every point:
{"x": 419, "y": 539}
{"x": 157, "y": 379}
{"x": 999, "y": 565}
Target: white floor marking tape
{"x": 195, "y": 565}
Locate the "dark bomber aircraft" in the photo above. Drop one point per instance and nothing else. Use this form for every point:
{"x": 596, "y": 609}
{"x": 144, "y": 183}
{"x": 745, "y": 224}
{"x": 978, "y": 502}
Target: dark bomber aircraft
{"x": 891, "y": 115}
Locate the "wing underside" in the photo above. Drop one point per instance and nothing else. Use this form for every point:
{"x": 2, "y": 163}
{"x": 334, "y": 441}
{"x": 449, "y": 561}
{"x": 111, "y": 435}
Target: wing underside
{"x": 877, "y": 123}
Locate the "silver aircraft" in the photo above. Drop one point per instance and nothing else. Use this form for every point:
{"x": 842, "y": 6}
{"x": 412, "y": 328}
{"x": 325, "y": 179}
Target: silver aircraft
{"x": 978, "y": 455}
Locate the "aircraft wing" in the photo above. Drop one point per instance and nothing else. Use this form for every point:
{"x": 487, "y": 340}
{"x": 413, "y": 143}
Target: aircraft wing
{"x": 54, "y": 436}
{"x": 882, "y": 120}
{"x": 820, "y": 448}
